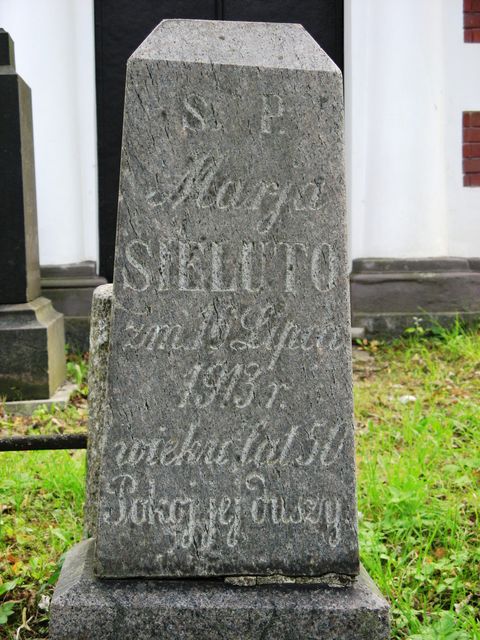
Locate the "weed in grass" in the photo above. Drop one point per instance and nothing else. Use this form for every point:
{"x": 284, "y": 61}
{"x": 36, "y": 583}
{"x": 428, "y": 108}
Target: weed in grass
{"x": 46, "y": 420}
{"x": 77, "y": 372}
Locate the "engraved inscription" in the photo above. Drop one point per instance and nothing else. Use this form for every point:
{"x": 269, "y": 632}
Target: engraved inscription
{"x": 228, "y": 267}
{"x": 272, "y": 114}
{"x": 319, "y": 444}
{"x": 198, "y": 114}
{"x": 236, "y": 385}
{"x": 185, "y": 523}
{"x": 229, "y": 320}
{"x": 257, "y": 328}
{"x": 206, "y": 183}
{"x": 133, "y": 255}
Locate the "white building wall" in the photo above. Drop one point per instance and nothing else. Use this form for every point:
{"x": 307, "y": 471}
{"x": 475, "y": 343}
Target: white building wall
{"x": 54, "y": 50}
{"x": 408, "y": 77}
{"x": 462, "y": 70}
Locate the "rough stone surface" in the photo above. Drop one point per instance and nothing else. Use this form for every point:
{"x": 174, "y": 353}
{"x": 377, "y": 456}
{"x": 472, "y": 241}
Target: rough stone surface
{"x": 229, "y": 429}
{"x": 99, "y": 324}
{"x": 97, "y": 377}
{"x": 389, "y": 295}
{"x": 87, "y": 608}
{"x": 32, "y": 350}
{"x": 19, "y": 269}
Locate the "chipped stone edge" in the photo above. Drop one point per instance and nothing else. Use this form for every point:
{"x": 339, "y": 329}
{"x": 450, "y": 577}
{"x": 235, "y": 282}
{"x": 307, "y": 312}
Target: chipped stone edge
{"x": 336, "y": 580}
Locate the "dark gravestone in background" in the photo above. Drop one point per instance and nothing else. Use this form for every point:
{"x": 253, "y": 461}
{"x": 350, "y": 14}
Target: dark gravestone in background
{"x": 120, "y": 27}
{"x": 32, "y": 343}
{"x": 19, "y": 270}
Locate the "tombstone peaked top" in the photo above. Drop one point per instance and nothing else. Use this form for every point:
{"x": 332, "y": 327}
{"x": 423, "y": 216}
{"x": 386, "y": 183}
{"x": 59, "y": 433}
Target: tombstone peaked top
{"x": 246, "y": 44}
{"x": 7, "y": 54}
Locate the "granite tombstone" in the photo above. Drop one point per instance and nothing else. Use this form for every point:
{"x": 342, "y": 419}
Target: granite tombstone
{"x": 224, "y": 434}
{"x": 229, "y": 424}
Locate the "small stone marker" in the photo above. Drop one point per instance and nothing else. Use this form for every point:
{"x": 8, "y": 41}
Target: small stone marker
{"x": 229, "y": 430}
{"x": 224, "y": 447}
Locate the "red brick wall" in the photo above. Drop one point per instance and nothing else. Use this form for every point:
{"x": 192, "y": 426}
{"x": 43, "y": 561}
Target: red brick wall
{"x": 471, "y": 148}
{"x": 471, "y": 20}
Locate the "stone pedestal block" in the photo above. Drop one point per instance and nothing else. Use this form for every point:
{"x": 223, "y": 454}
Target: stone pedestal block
{"x": 389, "y": 295}
{"x": 88, "y": 608}
{"x": 32, "y": 351}
{"x": 70, "y": 287}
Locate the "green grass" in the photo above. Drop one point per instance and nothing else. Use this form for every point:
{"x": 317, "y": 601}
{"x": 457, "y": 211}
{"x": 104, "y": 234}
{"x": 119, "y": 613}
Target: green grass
{"x": 41, "y": 498}
{"x": 418, "y": 416}
{"x": 418, "y": 452}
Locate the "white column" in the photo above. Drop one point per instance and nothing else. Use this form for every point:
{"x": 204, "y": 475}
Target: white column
{"x": 462, "y": 71}
{"x": 54, "y": 48}
{"x": 396, "y": 127}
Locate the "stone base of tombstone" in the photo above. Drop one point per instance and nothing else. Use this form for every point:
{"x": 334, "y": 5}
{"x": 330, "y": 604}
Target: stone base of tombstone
{"x": 389, "y": 295}
{"x": 60, "y": 399}
{"x": 32, "y": 348}
{"x": 87, "y": 608}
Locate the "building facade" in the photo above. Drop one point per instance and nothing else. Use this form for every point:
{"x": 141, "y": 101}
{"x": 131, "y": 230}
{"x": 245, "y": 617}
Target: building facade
{"x": 412, "y": 96}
